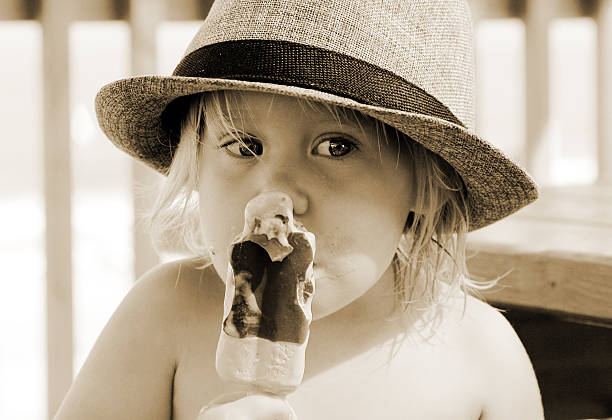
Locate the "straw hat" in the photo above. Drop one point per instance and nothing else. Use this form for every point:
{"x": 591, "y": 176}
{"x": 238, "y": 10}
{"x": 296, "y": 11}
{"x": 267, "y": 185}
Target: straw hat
{"x": 408, "y": 63}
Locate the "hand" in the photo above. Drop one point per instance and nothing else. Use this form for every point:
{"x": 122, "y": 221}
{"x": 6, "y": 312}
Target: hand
{"x": 248, "y": 406}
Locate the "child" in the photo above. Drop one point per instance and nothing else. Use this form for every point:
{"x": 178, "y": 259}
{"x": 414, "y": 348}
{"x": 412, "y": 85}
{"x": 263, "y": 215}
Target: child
{"x": 361, "y": 112}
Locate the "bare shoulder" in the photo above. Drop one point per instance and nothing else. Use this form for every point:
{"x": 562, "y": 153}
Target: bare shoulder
{"x": 129, "y": 372}
{"x": 511, "y": 387}
{"x": 173, "y": 294}
{"x": 184, "y": 296}
{"x": 188, "y": 283}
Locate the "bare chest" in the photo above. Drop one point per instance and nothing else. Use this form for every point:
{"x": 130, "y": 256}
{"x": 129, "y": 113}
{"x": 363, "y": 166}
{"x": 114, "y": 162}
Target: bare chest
{"x": 424, "y": 381}
{"x": 417, "y": 383}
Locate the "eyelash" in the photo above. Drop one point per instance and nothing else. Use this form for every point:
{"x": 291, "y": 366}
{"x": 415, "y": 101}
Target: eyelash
{"x": 242, "y": 140}
{"x": 248, "y": 141}
{"x": 338, "y": 138}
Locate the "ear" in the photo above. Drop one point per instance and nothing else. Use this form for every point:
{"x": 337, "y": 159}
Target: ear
{"x": 409, "y": 221}
{"x": 421, "y": 212}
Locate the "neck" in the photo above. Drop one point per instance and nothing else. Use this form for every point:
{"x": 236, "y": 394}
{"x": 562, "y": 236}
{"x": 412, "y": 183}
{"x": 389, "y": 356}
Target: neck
{"x": 375, "y": 305}
{"x": 374, "y": 308}
{"x": 365, "y": 324}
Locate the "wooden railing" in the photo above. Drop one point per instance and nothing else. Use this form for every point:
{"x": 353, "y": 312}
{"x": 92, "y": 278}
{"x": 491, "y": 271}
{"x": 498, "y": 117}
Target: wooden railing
{"x": 535, "y": 278}
{"x": 55, "y": 16}
{"x": 558, "y": 251}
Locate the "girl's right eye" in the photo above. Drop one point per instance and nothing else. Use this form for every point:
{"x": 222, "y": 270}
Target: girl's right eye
{"x": 243, "y": 148}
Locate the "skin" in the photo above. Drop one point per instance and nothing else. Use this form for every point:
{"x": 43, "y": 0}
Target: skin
{"x": 337, "y": 176}
{"x": 337, "y": 198}
{"x": 155, "y": 359}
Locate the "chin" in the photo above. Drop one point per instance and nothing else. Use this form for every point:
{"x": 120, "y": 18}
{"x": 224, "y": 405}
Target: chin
{"x": 321, "y": 310}
{"x": 334, "y": 291}
{"x": 326, "y": 303}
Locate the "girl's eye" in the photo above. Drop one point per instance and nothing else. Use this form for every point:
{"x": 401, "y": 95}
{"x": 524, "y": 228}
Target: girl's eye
{"x": 247, "y": 147}
{"x": 335, "y": 147}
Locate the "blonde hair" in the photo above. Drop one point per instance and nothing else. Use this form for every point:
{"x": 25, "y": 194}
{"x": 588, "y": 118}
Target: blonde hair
{"x": 430, "y": 260}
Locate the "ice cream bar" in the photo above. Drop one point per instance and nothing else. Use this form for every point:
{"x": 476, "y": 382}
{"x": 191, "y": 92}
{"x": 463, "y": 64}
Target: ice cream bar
{"x": 268, "y": 296}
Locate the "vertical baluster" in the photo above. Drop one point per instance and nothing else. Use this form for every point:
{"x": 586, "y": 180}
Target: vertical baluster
{"x": 537, "y": 19}
{"x": 144, "y": 18}
{"x": 604, "y": 28}
{"x": 57, "y": 190}
{"x": 15, "y": 10}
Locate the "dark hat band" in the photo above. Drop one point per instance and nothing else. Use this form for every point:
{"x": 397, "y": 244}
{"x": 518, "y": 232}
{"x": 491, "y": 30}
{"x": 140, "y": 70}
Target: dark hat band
{"x": 293, "y": 64}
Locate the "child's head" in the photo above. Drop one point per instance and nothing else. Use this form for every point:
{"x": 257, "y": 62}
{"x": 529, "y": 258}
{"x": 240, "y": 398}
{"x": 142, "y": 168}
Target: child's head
{"x": 384, "y": 87}
{"x": 373, "y": 197}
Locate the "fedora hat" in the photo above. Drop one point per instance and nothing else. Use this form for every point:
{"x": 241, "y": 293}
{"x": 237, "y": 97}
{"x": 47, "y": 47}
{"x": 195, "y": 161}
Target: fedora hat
{"x": 407, "y": 63}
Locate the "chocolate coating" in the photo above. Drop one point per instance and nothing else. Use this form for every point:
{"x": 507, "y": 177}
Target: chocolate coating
{"x": 268, "y": 294}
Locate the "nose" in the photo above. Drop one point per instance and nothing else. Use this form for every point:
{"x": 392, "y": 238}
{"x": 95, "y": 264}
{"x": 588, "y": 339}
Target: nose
{"x": 299, "y": 198}
{"x": 285, "y": 180}
{"x": 300, "y": 203}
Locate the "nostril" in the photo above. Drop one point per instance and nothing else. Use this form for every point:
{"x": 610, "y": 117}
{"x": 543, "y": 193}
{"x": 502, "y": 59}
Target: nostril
{"x": 284, "y": 219}
{"x": 300, "y": 204}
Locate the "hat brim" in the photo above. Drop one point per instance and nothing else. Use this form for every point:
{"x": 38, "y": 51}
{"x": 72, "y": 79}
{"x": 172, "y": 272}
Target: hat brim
{"x": 129, "y": 112}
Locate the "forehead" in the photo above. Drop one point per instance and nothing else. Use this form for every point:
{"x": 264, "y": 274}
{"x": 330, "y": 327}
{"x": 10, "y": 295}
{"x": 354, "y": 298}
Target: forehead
{"x": 245, "y": 106}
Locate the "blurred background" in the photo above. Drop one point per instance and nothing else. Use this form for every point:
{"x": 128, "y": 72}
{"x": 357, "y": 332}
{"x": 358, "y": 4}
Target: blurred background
{"x": 70, "y": 248}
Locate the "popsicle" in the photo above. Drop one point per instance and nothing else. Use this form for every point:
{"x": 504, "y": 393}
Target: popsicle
{"x": 268, "y": 297}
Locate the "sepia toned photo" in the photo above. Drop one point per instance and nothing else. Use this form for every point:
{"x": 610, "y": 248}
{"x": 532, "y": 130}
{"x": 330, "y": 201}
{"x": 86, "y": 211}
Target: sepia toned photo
{"x": 306, "y": 209}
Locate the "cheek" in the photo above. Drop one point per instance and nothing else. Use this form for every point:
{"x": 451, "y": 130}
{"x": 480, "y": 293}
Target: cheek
{"x": 369, "y": 209}
{"x": 367, "y": 230}
{"x": 357, "y": 247}
{"x": 221, "y": 215}
{"x": 214, "y": 236}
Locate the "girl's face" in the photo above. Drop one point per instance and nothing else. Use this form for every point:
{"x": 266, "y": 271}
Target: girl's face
{"x": 351, "y": 190}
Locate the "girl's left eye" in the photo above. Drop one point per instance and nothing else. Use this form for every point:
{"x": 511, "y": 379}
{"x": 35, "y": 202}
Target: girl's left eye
{"x": 244, "y": 148}
{"x": 334, "y": 147}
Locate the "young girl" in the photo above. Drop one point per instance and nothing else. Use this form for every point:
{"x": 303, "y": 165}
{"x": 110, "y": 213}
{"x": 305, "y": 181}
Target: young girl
{"x": 361, "y": 113}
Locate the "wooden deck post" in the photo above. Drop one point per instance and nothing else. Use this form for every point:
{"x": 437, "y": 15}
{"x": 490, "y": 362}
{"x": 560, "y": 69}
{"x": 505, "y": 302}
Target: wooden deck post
{"x": 604, "y": 91}
{"x": 144, "y": 18}
{"x": 537, "y": 19}
{"x": 19, "y": 9}
{"x": 57, "y": 190}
